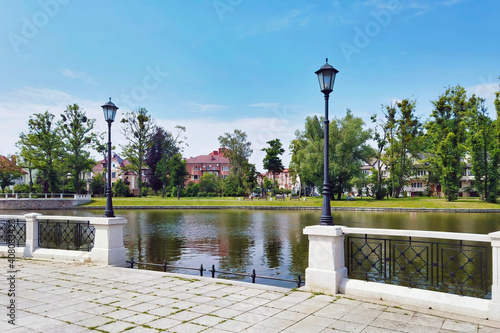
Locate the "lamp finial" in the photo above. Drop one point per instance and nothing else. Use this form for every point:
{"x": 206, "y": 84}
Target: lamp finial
{"x": 327, "y": 60}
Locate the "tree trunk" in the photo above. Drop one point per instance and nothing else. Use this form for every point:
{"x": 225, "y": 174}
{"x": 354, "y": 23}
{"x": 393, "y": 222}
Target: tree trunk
{"x": 178, "y": 193}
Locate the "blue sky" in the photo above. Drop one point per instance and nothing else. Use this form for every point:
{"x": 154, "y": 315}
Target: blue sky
{"x": 217, "y": 65}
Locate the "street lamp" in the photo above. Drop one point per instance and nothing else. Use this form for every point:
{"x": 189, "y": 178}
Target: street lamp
{"x": 109, "y": 115}
{"x": 326, "y": 77}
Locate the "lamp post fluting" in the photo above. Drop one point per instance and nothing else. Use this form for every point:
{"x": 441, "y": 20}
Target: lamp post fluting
{"x": 326, "y": 77}
{"x": 109, "y": 110}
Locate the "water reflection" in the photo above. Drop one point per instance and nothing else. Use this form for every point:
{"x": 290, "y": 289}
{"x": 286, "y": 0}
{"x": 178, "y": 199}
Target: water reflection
{"x": 271, "y": 242}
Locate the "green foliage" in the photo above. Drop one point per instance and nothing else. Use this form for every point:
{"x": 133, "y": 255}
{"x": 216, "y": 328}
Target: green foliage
{"x": 137, "y": 128}
{"x": 174, "y": 172}
{"x": 97, "y": 185}
{"x": 348, "y": 150}
{"x": 9, "y": 172}
{"x": 76, "y": 134}
{"x": 272, "y": 161}
{"x": 402, "y": 131}
{"x": 268, "y": 184}
{"x": 209, "y": 183}
{"x": 42, "y": 148}
{"x": 192, "y": 189}
{"x": 483, "y": 147}
{"x": 120, "y": 189}
{"x": 146, "y": 191}
{"x": 307, "y": 153}
{"x": 237, "y": 151}
{"x": 162, "y": 145}
{"x": 446, "y": 135}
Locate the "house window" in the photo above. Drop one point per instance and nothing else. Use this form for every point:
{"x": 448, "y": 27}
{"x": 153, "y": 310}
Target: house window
{"x": 195, "y": 177}
{"x": 214, "y": 168}
{"x": 225, "y": 168}
{"x": 113, "y": 174}
{"x": 195, "y": 168}
{"x": 421, "y": 173}
{"x": 416, "y": 185}
{"x": 365, "y": 172}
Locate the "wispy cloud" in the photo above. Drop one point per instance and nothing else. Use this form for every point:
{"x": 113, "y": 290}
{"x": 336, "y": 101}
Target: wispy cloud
{"x": 453, "y": 2}
{"x": 264, "y": 105}
{"x": 293, "y": 18}
{"x": 205, "y": 107}
{"x": 79, "y": 76}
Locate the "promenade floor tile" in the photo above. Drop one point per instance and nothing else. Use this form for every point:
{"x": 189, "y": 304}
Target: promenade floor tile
{"x": 63, "y": 297}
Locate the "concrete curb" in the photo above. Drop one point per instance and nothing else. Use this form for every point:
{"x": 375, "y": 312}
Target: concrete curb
{"x": 361, "y": 209}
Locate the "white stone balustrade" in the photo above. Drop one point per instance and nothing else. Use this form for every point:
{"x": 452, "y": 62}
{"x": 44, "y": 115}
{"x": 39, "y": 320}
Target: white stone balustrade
{"x": 326, "y": 272}
{"x": 108, "y": 246}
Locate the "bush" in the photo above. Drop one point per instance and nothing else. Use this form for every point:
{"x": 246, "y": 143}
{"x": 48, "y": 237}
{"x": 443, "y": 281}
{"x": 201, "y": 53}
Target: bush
{"x": 145, "y": 191}
{"x": 427, "y": 191}
{"x": 120, "y": 189}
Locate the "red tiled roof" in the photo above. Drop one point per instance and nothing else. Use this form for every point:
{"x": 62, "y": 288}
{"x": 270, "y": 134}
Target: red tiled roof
{"x": 208, "y": 159}
{"x": 10, "y": 163}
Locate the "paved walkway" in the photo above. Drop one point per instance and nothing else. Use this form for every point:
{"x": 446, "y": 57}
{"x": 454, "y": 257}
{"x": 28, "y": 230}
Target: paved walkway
{"x": 65, "y": 297}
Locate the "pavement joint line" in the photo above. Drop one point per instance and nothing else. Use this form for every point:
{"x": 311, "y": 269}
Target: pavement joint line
{"x": 183, "y": 294}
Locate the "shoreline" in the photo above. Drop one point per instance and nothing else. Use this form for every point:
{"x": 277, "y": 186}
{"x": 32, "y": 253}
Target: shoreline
{"x": 363, "y": 209}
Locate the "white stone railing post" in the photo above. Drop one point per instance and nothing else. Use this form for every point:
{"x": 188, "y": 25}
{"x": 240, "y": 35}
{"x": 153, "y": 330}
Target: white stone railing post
{"x": 31, "y": 234}
{"x": 494, "y": 309}
{"x": 108, "y": 243}
{"x": 326, "y": 266}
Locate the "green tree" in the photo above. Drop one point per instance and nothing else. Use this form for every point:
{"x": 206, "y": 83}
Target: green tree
{"x": 208, "y": 183}
{"x": 173, "y": 171}
{"x": 307, "y": 153}
{"x": 238, "y": 151}
{"x": 446, "y": 132}
{"x": 42, "y": 147}
{"x": 120, "y": 189}
{"x": 137, "y": 129}
{"x": 405, "y": 130}
{"x": 348, "y": 150}
{"x": 97, "y": 185}
{"x": 76, "y": 133}
{"x": 162, "y": 146}
{"x": 272, "y": 161}
{"x": 380, "y": 137}
{"x": 9, "y": 172}
{"x": 484, "y": 149}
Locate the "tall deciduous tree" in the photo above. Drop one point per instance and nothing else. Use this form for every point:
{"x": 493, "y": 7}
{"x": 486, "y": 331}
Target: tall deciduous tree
{"x": 348, "y": 150}
{"x": 137, "y": 129}
{"x": 42, "y": 147}
{"x": 404, "y": 130}
{"x": 9, "y": 172}
{"x": 177, "y": 172}
{"x": 484, "y": 149}
{"x": 272, "y": 161}
{"x": 76, "y": 133}
{"x": 161, "y": 146}
{"x": 446, "y": 131}
{"x": 307, "y": 153}
{"x": 238, "y": 151}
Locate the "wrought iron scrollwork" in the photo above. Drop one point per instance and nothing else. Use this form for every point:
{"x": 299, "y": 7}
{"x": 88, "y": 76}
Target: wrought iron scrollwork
{"x": 457, "y": 268}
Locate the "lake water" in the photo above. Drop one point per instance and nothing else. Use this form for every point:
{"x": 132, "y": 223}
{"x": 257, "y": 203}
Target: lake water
{"x": 271, "y": 242}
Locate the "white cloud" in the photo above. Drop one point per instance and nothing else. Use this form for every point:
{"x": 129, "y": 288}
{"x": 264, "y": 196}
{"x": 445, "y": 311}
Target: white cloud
{"x": 17, "y": 106}
{"x": 79, "y": 76}
{"x": 205, "y": 107}
{"x": 202, "y": 132}
{"x": 264, "y": 105}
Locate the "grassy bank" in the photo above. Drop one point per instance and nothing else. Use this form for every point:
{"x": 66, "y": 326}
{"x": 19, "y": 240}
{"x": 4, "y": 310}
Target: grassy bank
{"x": 421, "y": 202}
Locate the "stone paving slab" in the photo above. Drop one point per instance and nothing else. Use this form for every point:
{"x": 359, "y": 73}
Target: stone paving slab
{"x": 56, "y": 296}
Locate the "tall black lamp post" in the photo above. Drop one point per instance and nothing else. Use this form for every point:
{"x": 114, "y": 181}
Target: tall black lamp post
{"x": 109, "y": 115}
{"x": 326, "y": 77}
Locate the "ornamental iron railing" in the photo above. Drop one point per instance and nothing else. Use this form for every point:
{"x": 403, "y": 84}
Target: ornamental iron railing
{"x": 15, "y": 229}
{"x": 453, "y": 267}
{"x": 66, "y": 235}
{"x": 222, "y": 274}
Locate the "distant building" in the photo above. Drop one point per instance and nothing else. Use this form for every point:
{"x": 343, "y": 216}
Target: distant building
{"x": 214, "y": 163}
{"x": 117, "y": 172}
{"x": 283, "y": 180}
